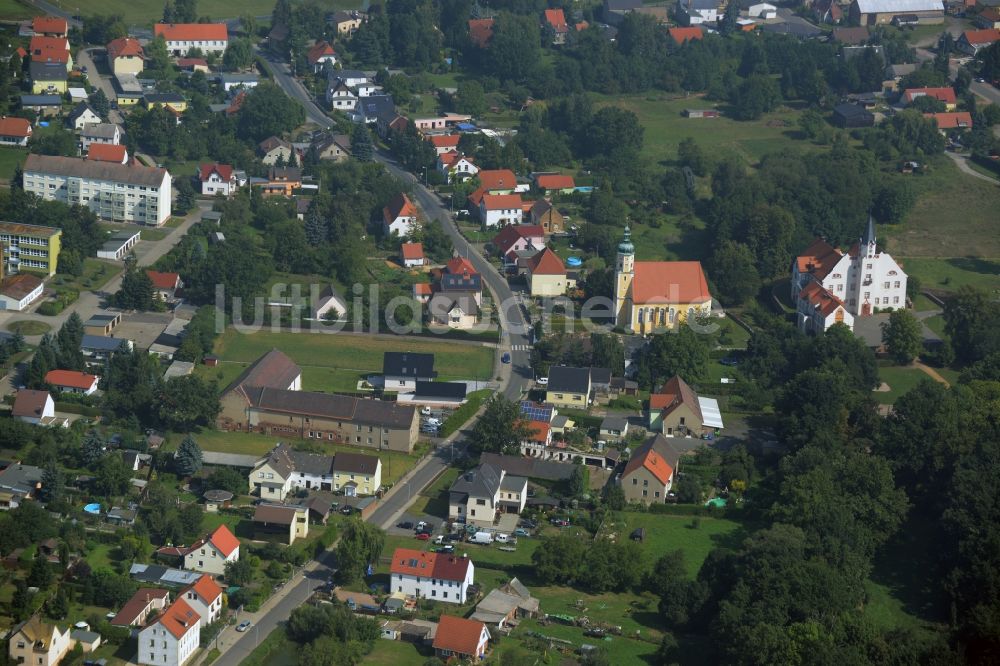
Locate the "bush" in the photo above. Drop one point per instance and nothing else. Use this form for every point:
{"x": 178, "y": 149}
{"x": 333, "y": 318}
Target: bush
{"x": 50, "y": 308}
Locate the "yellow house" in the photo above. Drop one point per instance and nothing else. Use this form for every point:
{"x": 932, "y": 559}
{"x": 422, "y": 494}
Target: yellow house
{"x": 30, "y": 248}
{"x": 170, "y": 100}
{"x": 125, "y": 55}
{"x": 651, "y": 295}
{"x": 38, "y": 643}
{"x": 547, "y": 275}
{"x": 286, "y": 522}
{"x": 568, "y": 387}
{"x": 48, "y": 77}
{"x": 357, "y": 474}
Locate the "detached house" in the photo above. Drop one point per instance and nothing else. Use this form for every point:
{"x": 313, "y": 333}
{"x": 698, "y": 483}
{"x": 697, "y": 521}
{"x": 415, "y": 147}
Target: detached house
{"x": 288, "y": 522}
{"x": 543, "y": 214}
{"x": 357, "y": 474}
{"x": 501, "y": 210}
{"x": 272, "y": 149}
{"x": 172, "y": 638}
{"x": 144, "y": 602}
{"x": 38, "y": 643}
{"x": 444, "y": 143}
{"x": 455, "y": 165}
{"x": 50, "y": 26}
{"x": 319, "y": 55}
{"x": 165, "y": 285}
{"x": 548, "y": 183}
{"x": 650, "y": 472}
{"x": 35, "y": 407}
{"x": 436, "y": 576}
{"x": 568, "y": 387}
{"x": 217, "y": 179}
{"x": 547, "y": 275}
{"x": 214, "y": 552}
{"x": 513, "y": 241}
{"x": 479, "y": 495}
{"x": 402, "y": 370}
{"x": 125, "y": 56}
{"x": 459, "y": 638}
{"x": 14, "y": 131}
{"x": 555, "y": 24}
{"x": 413, "y": 254}
{"x": 399, "y": 216}
{"x": 677, "y": 411}
{"x": 945, "y": 95}
{"x": 71, "y": 381}
{"x": 974, "y": 41}
{"x": 81, "y": 116}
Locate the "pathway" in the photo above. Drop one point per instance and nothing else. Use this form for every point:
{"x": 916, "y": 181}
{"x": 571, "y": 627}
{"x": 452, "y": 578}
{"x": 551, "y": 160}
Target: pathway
{"x": 962, "y": 163}
{"x": 932, "y": 373}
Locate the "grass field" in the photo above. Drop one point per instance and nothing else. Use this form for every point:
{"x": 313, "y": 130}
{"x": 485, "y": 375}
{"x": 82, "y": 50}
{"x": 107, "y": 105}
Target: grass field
{"x": 900, "y": 380}
{"x": 955, "y": 216}
{"x": 665, "y": 533}
{"x": 144, "y": 11}
{"x": 666, "y": 128}
{"x": 10, "y": 157}
{"x": 950, "y": 274}
{"x": 395, "y": 653}
{"x": 337, "y": 362}
{"x": 28, "y": 327}
{"x": 14, "y": 9}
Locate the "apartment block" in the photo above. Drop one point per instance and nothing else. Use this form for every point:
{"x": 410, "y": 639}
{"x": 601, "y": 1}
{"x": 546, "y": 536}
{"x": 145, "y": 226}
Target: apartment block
{"x": 29, "y": 247}
{"x": 116, "y": 192}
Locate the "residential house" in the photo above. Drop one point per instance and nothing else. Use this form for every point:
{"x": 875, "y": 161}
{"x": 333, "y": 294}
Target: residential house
{"x": 46, "y": 49}
{"x": 81, "y": 116}
{"x": 480, "y": 494}
{"x": 38, "y": 643}
{"x": 554, "y": 24}
{"x": 217, "y": 179}
{"x": 172, "y": 638}
{"x": 336, "y": 147}
{"x": 232, "y": 82}
{"x": 461, "y": 284}
{"x": 481, "y": 31}
{"x": 412, "y": 254}
{"x": 497, "y": 210}
{"x": 282, "y": 181}
{"x": 539, "y": 434}
{"x": 30, "y": 247}
{"x": 458, "y": 638}
{"x": 456, "y": 166}
{"x": 47, "y": 77}
{"x": 613, "y": 429}
{"x": 341, "y": 97}
{"x": 182, "y": 37}
{"x": 50, "y": 26}
{"x": 945, "y": 95}
{"x": 319, "y": 55}
{"x": 18, "y": 483}
{"x": 974, "y": 41}
{"x": 272, "y": 150}
{"x": 676, "y": 410}
{"x": 546, "y": 216}
{"x": 14, "y": 131}
{"x": 568, "y": 387}
{"x": 119, "y": 245}
{"x": 441, "y": 123}
{"x": 441, "y": 577}
{"x": 697, "y": 12}
{"x": 957, "y": 120}
{"x": 650, "y": 472}
{"x": 849, "y": 115}
{"x": 828, "y": 11}
{"x": 108, "y": 152}
{"x": 547, "y": 275}
{"x": 516, "y": 240}
{"x": 505, "y": 604}
{"x": 457, "y": 311}
{"x": 422, "y": 292}
{"x": 171, "y": 101}
{"x": 71, "y": 381}
{"x": 762, "y": 10}
{"x": 681, "y": 35}
{"x": 212, "y": 553}
{"x": 285, "y": 470}
{"x": 497, "y": 181}
{"x": 357, "y": 474}
{"x": 287, "y": 522}
{"x": 444, "y": 143}
{"x": 817, "y": 309}
{"x": 35, "y": 407}
{"x": 399, "y": 216}
{"x": 193, "y": 65}
{"x": 882, "y": 12}
{"x": 401, "y": 370}
{"x": 864, "y": 277}
{"x": 100, "y": 348}
{"x": 347, "y": 22}
{"x": 44, "y": 106}
{"x": 125, "y": 55}
{"x": 205, "y": 597}
{"x": 19, "y": 291}
{"x": 260, "y": 400}
{"x": 549, "y": 183}
{"x": 116, "y": 192}
{"x": 651, "y": 295}
{"x": 143, "y": 603}
{"x": 104, "y": 133}
{"x": 989, "y": 18}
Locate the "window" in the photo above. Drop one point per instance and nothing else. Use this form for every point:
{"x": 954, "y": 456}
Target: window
{"x": 645, "y": 493}
{"x": 896, "y": 285}
{"x": 867, "y": 295}
{"x": 645, "y": 483}
{"x": 657, "y": 493}
{"x": 895, "y": 299}
{"x": 885, "y": 285}
{"x": 869, "y": 266}
{"x": 635, "y": 481}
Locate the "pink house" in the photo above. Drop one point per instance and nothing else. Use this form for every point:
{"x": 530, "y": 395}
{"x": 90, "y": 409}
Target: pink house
{"x": 518, "y": 238}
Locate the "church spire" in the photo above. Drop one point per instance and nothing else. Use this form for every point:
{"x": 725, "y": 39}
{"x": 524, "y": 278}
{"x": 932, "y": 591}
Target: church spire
{"x": 869, "y": 237}
{"x": 626, "y": 247}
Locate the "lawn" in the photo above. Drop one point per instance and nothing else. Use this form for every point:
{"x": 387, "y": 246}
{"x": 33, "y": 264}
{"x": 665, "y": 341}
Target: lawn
{"x": 96, "y": 274}
{"x": 10, "y": 157}
{"x": 900, "y": 380}
{"x": 15, "y": 10}
{"x": 336, "y": 362}
{"x": 395, "y": 653}
{"x": 28, "y": 327}
{"x": 665, "y": 128}
{"x": 950, "y": 274}
{"x": 433, "y": 500}
{"x": 955, "y": 216}
{"x": 147, "y": 11}
{"x": 102, "y": 555}
{"x": 665, "y": 533}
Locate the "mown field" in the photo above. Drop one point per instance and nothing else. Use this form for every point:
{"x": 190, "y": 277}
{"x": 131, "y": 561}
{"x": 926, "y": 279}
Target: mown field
{"x": 145, "y": 11}
{"x": 15, "y": 9}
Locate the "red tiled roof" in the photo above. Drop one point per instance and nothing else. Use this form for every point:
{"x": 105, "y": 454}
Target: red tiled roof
{"x": 460, "y": 265}
{"x": 124, "y": 46}
{"x": 821, "y": 298}
{"x": 319, "y": 50}
{"x": 225, "y": 171}
{"x": 538, "y": 431}
{"x": 70, "y": 378}
{"x": 400, "y": 206}
{"x": 946, "y": 95}
{"x": 669, "y": 282}
{"x": 19, "y": 127}
{"x": 497, "y": 179}
{"x": 510, "y": 234}
{"x": 178, "y": 618}
{"x": 163, "y": 280}
{"x": 107, "y": 152}
{"x": 652, "y": 461}
{"x": 191, "y": 62}
{"x": 49, "y": 49}
{"x": 206, "y": 588}
{"x": 501, "y": 201}
{"x": 555, "y": 181}
{"x": 955, "y": 120}
{"x": 413, "y": 250}
{"x": 581, "y": 26}
{"x": 546, "y": 263}
{"x": 409, "y": 562}
{"x": 818, "y": 259}
{"x": 458, "y": 635}
{"x": 556, "y": 19}
{"x": 21, "y": 52}
{"x": 681, "y": 35}
{"x": 224, "y": 540}
{"x": 480, "y": 31}
{"x": 991, "y": 14}
{"x": 444, "y": 140}
{"x": 138, "y": 603}
{"x": 476, "y": 197}
{"x": 192, "y": 32}
{"x": 422, "y": 289}
{"x": 449, "y": 158}
{"x": 52, "y": 24}
{"x": 987, "y": 36}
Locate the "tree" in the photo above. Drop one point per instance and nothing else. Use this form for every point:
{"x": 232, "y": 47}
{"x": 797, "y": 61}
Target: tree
{"x": 559, "y": 560}
{"x": 187, "y": 460}
{"x": 240, "y": 572}
{"x": 227, "y": 478}
{"x": 757, "y": 95}
{"x": 689, "y": 490}
{"x": 53, "y": 483}
{"x": 614, "y": 497}
{"x": 679, "y": 352}
{"x": 185, "y": 11}
{"x": 40, "y": 575}
{"x": 239, "y": 54}
{"x": 614, "y": 138}
{"x": 360, "y": 545}
{"x": 577, "y": 483}
{"x": 972, "y": 321}
{"x": 112, "y": 478}
{"x": 69, "y": 341}
{"x": 727, "y": 25}
{"x": 514, "y": 49}
{"x": 471, "y": 98}
{"x": 92, "y": 449}
{"x": 362, "y": 147}
{"x": 136, "y": 292}
{"x": 734, "y": 273}
{"x": 894, "y": 200}
{"x": 58, "y": 606}
{"x": 188, "y": 402}
{"x": 690, "y": 154}
{"x": 902, "y": 337}
{"x": 268, "y": 111}
{"x": 99, "y": 103}
{"x": 500, "y": 429}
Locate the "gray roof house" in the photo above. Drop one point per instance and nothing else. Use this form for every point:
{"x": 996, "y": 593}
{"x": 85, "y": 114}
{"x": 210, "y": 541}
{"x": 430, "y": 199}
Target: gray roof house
{"x": 481, "y": 493}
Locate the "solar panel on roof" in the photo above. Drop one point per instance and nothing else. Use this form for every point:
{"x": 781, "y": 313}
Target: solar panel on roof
{"x": 536, "y": 412}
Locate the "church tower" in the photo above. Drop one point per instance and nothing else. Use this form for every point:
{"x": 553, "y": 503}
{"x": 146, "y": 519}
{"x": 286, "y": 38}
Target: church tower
{"x": 868, "y": 245}
{"x": 624, "y": 272}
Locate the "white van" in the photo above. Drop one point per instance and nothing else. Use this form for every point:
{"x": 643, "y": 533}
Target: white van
{"x": 482, "y": 538}
{"x": 505, "y": 538}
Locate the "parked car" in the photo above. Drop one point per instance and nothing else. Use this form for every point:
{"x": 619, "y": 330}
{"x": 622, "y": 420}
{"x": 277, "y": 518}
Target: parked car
{"x": 423, "y": 536}
{"x": 439, "y": 539}
{"x": 521, "y": 532}
{"x": 452, "y": 537}
{"x": 505, "y": 358}
{"x": 347, "y": 509}
{"x": 243, "y": 626}
{"x": 560, "y": 522}
{"x": 530, "y": 524}
{"x": 542, "y": 381}
{"x": 426, "y": 411}
{"x": 432, "y": 422}
{"x": 405, "y": 525}
{"x": 445, "y": 549}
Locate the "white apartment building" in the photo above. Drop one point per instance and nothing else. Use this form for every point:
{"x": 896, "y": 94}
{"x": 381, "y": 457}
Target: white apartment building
{"x": 116, "y": 192}
{"x": 182, "y": 37}
{"x": 438, "y": 576}
{"x": 172, "y": 638}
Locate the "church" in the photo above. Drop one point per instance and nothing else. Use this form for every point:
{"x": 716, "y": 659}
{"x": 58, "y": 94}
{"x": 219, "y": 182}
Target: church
{"x": 652, "y": 295}
{"x": 849, "y": 285}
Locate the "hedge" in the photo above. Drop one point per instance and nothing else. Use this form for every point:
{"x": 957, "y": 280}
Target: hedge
{"x": 458, "y": 418}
